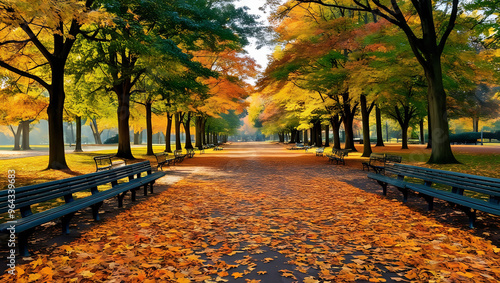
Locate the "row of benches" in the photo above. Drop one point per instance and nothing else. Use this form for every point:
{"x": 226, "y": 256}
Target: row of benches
{"x": 135, "y": 176}
{"x": 163, "y": 158}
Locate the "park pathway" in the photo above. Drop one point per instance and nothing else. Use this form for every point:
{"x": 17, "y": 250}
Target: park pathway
{"x": 256, "y": 212}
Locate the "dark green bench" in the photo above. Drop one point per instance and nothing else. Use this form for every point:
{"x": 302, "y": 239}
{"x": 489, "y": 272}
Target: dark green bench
{"x": 26, "y": 197}
{"x": 162, "y": 158}
{"x": 106, "y": 162}
{"x": 468, "y": 192}
{"x": 320, "y": 151}
{"x": 337, "y": 155}
{"x": 190, "y": 152}
{"x": 179, "y": 156}
{"x": 378, "y": 161}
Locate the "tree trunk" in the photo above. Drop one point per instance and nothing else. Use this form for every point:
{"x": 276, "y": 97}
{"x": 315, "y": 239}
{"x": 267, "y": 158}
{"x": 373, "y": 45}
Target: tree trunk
{"x": 319, "y": 136}
{"x": 57, "y": 158}
{"x": 304, "y": 134}
{"x": 177, "y": 124}
{"x": 422, "y": 134}
{"x": 123, "y": 113}
{"x": 25, "y": 142}
{"x": 441, "y": 148}
{"x": 378, "y": 121}
{"x": 404, "y": 136}
{"x": 187, "y": 128}
{"x": 78, "y": 145}
{"x": 335, "y": 122}
{"x": 429, "y": 129}
{"x": 203, "y": 136}
{"x": 71, "y": 134}
{"x": 327, "y": 134}
{"x": 95, "y": 131}
{"x": 17, "y": 136}
{"x": 475, "y": 124}
{"x": 198, "y": 142}
{"x": 168, "y": 133}
{"x": 293, "y": 136}
{"x": 348, "y": 114}
{"x": 365, "y": 117}
{"x": 149, "y": 129}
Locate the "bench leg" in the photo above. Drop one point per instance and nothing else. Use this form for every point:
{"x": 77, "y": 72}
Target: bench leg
{"x": 95, "y": 211}
{"x": 471, "y": 213}
{"x": 405, "y": 194}
{"x": 384, "y": 187}
{"x": 120, "y": 199}
{"x": 22, "y": 242}
{"x": 65, "y": 222}
{"x": 150, "y": 187}
{"x": 134, "y": 194}
{"x": 430, "y": 202}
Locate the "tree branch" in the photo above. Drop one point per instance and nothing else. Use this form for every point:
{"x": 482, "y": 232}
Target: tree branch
{"x": 24, "y": 74}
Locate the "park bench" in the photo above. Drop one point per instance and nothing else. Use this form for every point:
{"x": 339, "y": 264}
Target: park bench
{"x": 218, "y": 147}
{"x": 106, "y": 162}
{"x": 467, "y": 192}
{"x": 26, "y": 198}
{"x": 190, "y": 153}
{"x": 337, "y": 155}
{"x": 162, "y": 158}
{"x": 320, "y": 151}
{"x": 378, "y": 161}
{"x": 179, "y": 156}
{"x": 298, "y": 146}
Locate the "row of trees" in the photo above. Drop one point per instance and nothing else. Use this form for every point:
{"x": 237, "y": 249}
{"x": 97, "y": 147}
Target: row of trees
{"x": 181, "y": 60}
{"x": 339, "y": 59}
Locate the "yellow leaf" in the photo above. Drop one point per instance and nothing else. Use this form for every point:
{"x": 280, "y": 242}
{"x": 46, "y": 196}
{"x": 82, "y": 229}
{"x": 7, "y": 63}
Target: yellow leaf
{"x": 223, "y": 273}
{"x": 310, "y": 279}
{"x": 34, "y": 277}
{"x": 87, "y": 274}
{"x": 237, "y": 275}
{"x": 261, "y": 272}
{"x": 183, "y": 280}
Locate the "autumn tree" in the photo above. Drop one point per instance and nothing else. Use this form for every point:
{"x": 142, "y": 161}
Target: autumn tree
{"x": 427, "y": 40}
{"x": 37, "y": 38}
{"x": 21, "y": 106}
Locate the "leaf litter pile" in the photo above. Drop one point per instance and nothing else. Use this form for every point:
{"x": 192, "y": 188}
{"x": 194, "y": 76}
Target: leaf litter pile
{"x": 265, "y": 218}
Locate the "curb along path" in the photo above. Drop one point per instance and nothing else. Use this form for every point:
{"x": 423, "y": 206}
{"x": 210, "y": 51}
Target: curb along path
{"x": 256, "y": 212}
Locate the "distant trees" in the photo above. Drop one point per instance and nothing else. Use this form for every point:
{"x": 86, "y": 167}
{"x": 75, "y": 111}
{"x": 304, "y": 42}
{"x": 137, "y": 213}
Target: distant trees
{"x": 355, "y": 55}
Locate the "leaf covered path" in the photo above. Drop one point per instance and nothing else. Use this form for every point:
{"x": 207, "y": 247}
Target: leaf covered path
{"x": 259, "y": 213}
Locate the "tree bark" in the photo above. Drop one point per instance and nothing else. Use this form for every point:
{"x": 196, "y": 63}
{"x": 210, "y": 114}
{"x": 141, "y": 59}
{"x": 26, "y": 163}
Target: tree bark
{"x": 177, "y": 124}
{"x": 168, "y": 133}
{"x": 95, "y": 131}
{"x": 149, "y": 129}
{"x": 17, "y": 136}
{"x": 327, "y": 134}
{"x": 378, "y": 121}
{"x": 57, "y": 157}
{"x": 187, "y": 128}
{"x": 335, "y": 122}
{"x": 123, "y": 113}
{"x": 203, "y": 123}
{"x": 198, "y": 142}
{"x": 441, "y": 148}
{"x": 25, "y": 141}
{"x": 78, "y": 144}
{"x": 365, "y": 117}
{"x": 422, "y": 134}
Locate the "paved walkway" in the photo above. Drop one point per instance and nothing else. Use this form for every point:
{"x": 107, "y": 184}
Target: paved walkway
{"x": 256, "y": 211}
